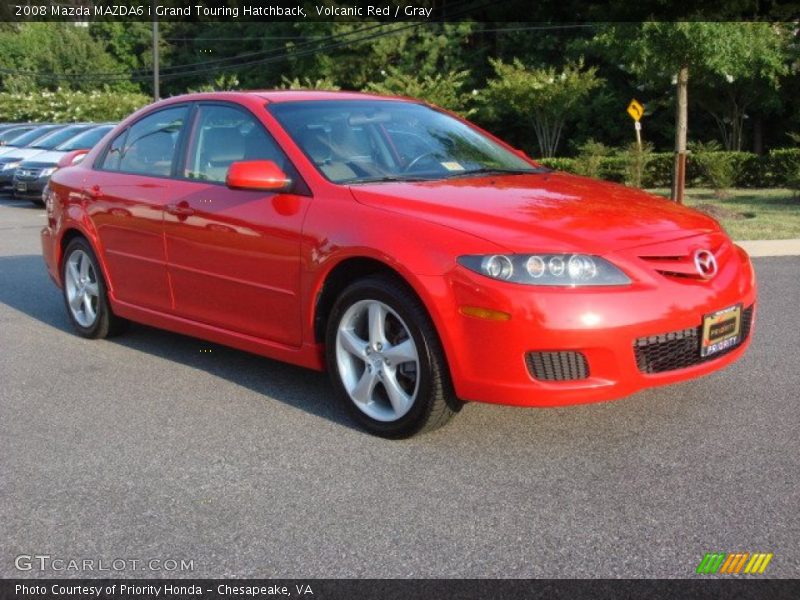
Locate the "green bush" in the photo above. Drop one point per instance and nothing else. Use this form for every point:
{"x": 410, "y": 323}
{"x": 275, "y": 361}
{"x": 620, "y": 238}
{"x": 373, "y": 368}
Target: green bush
{"x": 590, "y": 158}
{"x": 716, "y": 166}
{"x": 778, "y": 168}
{"x": 559, "y": 164}
{"x": 64, "y": 106}
{"x": 636, "y": 158}
{"x": 782, "y": 166}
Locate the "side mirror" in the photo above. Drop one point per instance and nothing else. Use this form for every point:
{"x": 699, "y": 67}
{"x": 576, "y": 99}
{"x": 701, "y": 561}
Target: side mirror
{"x": 72, "y": 158}
{"x": 262, "y": 175}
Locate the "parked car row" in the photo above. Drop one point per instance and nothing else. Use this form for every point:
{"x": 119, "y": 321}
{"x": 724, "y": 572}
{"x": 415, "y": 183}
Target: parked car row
{"x": 31, "y": 152}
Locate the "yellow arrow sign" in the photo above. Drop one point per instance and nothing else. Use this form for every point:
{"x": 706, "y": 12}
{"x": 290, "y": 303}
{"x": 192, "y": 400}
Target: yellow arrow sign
{"x": 635, "y": 110}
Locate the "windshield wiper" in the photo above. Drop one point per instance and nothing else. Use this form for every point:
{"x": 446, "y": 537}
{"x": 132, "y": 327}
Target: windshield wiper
{"x": 386, "y": 178}
{"x": 497, "y": 170}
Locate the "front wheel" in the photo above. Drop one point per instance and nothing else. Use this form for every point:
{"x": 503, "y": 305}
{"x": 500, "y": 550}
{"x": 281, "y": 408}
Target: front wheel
{"x": 85, "y": 293}
{"x": 386, "y": 362}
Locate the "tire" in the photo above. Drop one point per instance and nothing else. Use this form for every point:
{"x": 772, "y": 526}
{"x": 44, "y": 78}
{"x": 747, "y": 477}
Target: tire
{"x": 37, "y": 202}
{"x": 85, "y": 293}
{"x": 386, "y": 362}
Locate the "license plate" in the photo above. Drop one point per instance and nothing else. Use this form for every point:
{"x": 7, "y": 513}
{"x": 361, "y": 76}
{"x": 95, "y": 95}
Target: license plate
{"x": 721, "y": 330}
{"x": 22, "y": 186}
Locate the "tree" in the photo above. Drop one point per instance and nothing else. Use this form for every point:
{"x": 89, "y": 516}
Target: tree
{"x": 57, "y": 54}
{"x": 307, "y": 83}
{"x": 364, "y": 50}
{"x": 764, "y": 60}
{"x": 445, "y": 90}
{"x": 671, "y": 51}
{"x": 544, "y": 97}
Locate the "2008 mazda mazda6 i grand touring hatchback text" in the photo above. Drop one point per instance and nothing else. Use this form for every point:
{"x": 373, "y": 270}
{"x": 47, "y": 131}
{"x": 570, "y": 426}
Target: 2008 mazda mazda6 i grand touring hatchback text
{"x": 417, "y": 258}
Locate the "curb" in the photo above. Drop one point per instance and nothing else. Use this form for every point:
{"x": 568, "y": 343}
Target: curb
{"x": 763, "y": 248}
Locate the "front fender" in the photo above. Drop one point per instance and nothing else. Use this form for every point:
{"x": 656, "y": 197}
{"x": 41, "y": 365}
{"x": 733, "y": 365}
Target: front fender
{"x": 335, "y": 231}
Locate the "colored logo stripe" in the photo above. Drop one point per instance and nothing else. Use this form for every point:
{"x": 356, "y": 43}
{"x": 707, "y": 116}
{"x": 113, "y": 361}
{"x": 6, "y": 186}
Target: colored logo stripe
{"x": 720, "y": 562}
{"x": 758, "y": 563}
{"x": 711, "y": 562}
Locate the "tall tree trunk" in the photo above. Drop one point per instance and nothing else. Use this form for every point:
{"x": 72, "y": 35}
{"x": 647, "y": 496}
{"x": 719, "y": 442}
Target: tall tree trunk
{"x": 758, "y": 135}
{"x": 681, "y": 127}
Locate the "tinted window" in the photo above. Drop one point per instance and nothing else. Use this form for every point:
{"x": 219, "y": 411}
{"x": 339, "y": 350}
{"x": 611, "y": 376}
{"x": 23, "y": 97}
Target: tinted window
{"x": 85, "y": 140}
{"x": 150, "y": 144}
{"x": 224, "y": 135}
{"x": 59, "y": 137}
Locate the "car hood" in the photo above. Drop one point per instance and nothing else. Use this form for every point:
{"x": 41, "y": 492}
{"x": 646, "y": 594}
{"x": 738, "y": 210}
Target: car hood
{"x": 20, "y": 154}
{"x": 48, "y": 157}
{"x": 4, "y": 150}
{"x": 544, "y": 212}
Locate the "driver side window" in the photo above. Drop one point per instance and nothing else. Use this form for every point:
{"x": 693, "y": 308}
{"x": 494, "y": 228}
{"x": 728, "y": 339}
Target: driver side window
{"x": 149, "y": 145}
{"x": 223, "y": 135}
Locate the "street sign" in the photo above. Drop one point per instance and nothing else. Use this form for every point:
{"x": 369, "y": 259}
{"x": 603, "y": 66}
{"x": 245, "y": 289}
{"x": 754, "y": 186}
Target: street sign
{"x": 635, "y": 110}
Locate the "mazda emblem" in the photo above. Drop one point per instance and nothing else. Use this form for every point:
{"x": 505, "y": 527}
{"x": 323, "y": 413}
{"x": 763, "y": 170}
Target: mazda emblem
{"x": 705, "y": 263}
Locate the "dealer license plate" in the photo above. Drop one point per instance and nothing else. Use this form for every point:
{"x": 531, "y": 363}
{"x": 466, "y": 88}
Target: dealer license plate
{"x": 721, "y": 330}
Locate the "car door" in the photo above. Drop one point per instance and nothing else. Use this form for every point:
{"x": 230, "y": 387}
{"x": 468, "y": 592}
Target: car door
{"x": 234, "y": 255}
{"x": 127, "y": 192}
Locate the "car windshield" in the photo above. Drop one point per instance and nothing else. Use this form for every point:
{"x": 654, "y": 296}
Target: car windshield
{"x": 359, "y": 141}
{"x": 58, "y": 137}
{"x": 86, "y": 140}
{"x": 12, "y": 133}
{"x": 31, "y": 136}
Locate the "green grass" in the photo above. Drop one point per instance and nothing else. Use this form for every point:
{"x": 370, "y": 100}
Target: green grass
{"x": 763, "y": 214}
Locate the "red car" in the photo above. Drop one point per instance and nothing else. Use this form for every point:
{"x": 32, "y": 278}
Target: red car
{"x": 417, "y": 258}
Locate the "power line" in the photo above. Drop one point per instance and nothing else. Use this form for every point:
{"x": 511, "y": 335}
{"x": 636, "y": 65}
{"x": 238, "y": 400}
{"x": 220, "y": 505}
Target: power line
{"x": 141, "y": 74}
{"x": 300, "y": 37}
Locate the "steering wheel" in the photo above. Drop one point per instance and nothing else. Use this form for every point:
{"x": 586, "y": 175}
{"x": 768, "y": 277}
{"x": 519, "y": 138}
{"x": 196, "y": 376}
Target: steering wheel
{"x": 418, "y": 158}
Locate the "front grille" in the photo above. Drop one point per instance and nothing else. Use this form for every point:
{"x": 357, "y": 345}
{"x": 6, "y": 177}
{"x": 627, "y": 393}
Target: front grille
{"x": 25, "y": 173}
{"x": 557, "y": 366}
{"x": 680, "y": 349}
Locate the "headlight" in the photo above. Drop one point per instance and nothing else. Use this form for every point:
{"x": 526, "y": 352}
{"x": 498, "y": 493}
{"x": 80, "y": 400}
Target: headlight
{"x": 547, "y": 269}
{"x": 47, "y": 172}
{"x": 9, "y": 165}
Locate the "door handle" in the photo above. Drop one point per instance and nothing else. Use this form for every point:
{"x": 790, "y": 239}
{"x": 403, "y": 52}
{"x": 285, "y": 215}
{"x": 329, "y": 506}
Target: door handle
{"x": 180, "y": 210}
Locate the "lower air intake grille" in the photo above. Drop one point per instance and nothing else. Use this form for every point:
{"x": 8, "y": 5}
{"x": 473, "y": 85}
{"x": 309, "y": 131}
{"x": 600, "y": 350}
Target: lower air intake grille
{"x": 680, "y": 349}
{"x": 557, "y": 366}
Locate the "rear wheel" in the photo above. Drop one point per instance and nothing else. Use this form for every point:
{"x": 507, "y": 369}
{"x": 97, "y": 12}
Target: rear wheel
{"x": 85, "y": 293}
{"x": 386, "y": 362}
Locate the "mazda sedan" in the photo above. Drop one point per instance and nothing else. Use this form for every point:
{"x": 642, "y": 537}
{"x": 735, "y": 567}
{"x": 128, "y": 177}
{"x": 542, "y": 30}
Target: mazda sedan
{"x": 418, "y": 259}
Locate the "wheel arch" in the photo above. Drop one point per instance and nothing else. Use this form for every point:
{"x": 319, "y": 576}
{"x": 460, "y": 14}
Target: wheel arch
{"x": 341, "y": 275}
{"x": 71, "y": 232}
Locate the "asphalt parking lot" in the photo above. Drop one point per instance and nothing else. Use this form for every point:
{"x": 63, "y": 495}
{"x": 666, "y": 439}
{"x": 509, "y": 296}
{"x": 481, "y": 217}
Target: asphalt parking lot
{"x": 158, "y": 446}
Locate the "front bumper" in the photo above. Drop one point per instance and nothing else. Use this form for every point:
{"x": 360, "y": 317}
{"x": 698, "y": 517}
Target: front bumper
{"x": 487, "y": 358}
{"x": 30, "y": 189}
{"x": 6, "y": 180}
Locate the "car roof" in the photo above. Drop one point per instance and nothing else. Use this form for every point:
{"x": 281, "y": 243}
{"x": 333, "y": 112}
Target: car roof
{"x": 277, "y": 96}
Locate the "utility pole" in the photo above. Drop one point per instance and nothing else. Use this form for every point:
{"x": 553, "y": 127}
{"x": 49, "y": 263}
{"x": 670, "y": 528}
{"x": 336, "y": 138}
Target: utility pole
{"x": 156, "y": 86}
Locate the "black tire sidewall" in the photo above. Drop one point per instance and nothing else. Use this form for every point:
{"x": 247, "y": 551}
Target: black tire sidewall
{"x": 376, "y": 289}
{"x": 100, "y": 325}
